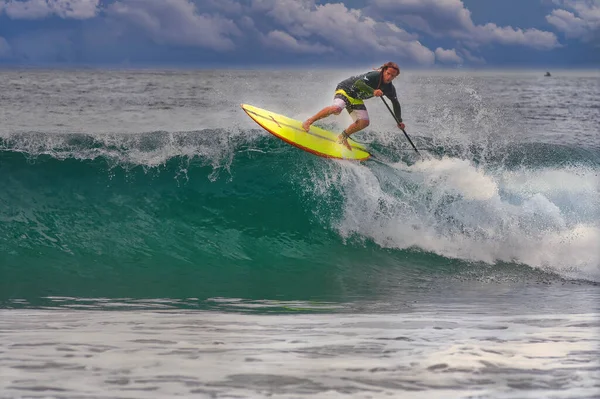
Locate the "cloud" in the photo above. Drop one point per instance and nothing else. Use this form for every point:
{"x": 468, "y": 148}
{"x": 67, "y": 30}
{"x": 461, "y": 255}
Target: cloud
{"x": 447, "y": 56}
{"x": 568, "y": 23}
{"x": 286, "y": 42}
{"x": 450, "y": 18}
{"x": 583, "y": 23}
{"x": 175, "y": 22}
{"x": 234, "y": 7}
{"x": 491, "y": 33}
{"x": 471, "y": 58}
{"x": 38, "y": 9}
{"x": 432, "y": 16}
{"x": 348, "y": 31}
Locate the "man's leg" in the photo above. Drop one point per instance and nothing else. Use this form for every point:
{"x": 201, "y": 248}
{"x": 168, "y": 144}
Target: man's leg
{"x": 324, "y": 113}
{"x": 357, "y": 126}
{"x": 338, "y": 105}
{"x": 361, "y": 121}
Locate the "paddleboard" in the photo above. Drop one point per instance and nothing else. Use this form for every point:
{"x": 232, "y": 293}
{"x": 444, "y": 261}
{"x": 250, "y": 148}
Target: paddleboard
{"x": 317, "y": 141}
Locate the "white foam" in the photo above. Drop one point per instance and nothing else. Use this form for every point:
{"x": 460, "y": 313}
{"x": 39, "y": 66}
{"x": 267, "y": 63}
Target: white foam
{"x": 459, "y": 176}
{"x": 547, "y": 219}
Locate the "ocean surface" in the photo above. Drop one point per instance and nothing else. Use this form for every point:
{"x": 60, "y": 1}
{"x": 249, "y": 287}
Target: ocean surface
{"x": 156, "y": 242}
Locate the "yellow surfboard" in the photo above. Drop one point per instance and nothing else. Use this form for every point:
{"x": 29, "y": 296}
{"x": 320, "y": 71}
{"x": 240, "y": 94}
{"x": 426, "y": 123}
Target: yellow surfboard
{"x": 317, "y": 141}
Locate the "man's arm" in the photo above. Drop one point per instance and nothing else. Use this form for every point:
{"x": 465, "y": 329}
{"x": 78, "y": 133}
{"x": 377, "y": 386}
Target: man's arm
{"x": 362, "y": 85}
{"x": 397, "y": 108}
{"x": 391, "y": 94}
{"x": 367, "y": 83}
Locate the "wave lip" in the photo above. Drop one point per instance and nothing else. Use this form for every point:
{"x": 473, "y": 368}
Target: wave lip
{"x": 143, "y": 149}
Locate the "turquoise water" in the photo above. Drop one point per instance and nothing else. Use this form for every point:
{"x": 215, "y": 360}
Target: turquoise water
{"x": 280, "y": 224}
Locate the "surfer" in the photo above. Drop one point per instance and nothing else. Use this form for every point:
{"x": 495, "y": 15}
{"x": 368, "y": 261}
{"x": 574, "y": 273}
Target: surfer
{"x": 350, "y": 94}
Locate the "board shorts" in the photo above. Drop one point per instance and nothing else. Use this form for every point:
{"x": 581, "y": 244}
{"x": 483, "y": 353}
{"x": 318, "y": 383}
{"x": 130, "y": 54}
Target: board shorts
{"x": 355, "y": 107}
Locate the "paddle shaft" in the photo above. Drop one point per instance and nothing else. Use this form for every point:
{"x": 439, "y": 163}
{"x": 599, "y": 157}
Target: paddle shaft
{"x": 398, "y": 122}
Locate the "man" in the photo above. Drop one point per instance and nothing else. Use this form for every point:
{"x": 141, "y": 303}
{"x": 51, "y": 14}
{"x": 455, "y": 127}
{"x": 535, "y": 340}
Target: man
{"x": 350, "y": 94}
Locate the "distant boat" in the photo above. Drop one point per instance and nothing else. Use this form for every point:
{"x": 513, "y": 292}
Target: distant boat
{"x": 547, "y": 74}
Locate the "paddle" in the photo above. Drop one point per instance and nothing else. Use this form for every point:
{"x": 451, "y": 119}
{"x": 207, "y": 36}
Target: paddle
{"x": 398, "y": 122}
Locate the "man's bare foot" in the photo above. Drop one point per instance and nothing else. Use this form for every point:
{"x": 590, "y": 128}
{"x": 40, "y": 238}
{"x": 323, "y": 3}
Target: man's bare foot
{"x": 343, "y": 140}
{"x": 306, "y": 124}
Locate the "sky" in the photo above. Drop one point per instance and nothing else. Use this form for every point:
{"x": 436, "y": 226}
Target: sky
{"x": 247, "y": 33}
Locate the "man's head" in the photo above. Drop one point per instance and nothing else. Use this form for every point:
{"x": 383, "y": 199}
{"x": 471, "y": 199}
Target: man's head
{"x": 389, "y": 70}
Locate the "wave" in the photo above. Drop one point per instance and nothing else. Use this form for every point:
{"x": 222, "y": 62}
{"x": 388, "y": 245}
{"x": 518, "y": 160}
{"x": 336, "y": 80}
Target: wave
{"x": 231, "y": 203}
